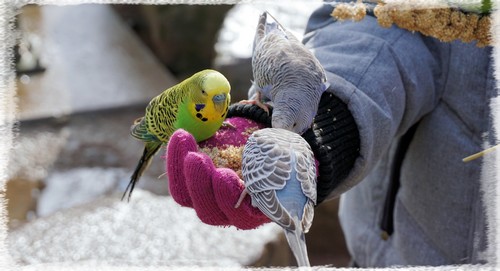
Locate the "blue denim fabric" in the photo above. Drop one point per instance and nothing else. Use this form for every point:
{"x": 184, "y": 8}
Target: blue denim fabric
{"x": 390, "y": 79}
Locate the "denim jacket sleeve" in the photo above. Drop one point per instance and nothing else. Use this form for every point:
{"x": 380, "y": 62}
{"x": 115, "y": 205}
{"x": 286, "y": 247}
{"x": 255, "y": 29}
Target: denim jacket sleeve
{"x": 388, "y": 77}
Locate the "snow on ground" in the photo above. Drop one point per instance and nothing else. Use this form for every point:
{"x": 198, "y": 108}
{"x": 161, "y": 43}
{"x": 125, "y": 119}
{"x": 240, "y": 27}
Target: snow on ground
{"x": 149, "y": 230}
{"x": 78, "y": 186}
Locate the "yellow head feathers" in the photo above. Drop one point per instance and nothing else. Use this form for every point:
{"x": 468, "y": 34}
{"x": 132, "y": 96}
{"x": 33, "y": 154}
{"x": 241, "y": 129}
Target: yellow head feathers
{"x": 214, "y": 83}
{"x": 210, "y": 93}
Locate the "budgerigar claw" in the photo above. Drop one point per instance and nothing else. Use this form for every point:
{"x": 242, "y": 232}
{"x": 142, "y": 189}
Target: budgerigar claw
{"x": 257, "y": 103}
{"x": 240, "y": 200}
{"x": 226, "y": 124}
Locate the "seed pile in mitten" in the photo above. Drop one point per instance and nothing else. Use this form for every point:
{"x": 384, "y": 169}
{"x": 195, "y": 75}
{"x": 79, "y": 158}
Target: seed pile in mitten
{"x": 228, "y": 156}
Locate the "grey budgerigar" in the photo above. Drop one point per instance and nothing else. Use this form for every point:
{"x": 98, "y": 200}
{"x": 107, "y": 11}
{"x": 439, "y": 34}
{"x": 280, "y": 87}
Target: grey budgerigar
{"x": 279, "y": 173}
{"x": 287, "y": 74}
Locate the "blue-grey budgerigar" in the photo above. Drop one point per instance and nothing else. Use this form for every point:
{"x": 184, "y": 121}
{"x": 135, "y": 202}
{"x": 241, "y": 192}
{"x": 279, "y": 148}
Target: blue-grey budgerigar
{"x": 279, "y": 173}
{"x": 286, "y": 73}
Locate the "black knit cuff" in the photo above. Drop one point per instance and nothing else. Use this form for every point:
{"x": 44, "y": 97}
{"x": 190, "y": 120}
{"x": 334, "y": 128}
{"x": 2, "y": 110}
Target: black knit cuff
{"x": 334, "y": 139}
{"x": 250, "y": 111}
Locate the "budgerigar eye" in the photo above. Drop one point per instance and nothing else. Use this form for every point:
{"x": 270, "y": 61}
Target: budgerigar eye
{"x": 203, "y": 91}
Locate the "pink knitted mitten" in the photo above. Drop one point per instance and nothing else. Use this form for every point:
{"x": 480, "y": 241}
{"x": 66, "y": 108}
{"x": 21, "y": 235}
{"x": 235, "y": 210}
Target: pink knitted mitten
{"x": 195, "y": 182}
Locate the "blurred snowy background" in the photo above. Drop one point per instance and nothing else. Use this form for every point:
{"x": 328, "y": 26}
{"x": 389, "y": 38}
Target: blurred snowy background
{"x": 84, "y": 74}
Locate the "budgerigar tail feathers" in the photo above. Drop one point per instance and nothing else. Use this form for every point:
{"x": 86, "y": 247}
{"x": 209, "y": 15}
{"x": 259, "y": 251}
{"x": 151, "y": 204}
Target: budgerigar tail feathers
{"x": 273, "y": 25}
{"x": 264, "y": 27}
{"x": 150, "y": 150}
{"x": 297, "y": 242}
{"x": 261, "y": 30}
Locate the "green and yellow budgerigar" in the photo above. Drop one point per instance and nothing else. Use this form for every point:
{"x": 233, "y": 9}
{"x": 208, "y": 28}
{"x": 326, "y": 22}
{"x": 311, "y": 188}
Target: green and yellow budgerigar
{"x": 198, "y": 105}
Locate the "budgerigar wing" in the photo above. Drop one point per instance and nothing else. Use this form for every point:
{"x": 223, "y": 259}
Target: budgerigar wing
{"x": 267, "y": 166}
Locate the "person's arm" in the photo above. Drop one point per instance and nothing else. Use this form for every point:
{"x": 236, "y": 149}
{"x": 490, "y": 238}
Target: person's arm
{"x": 388, "y": 78}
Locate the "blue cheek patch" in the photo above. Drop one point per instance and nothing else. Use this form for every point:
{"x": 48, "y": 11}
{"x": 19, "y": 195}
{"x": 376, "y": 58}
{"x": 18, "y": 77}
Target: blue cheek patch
{"x": 199, "y": 107}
